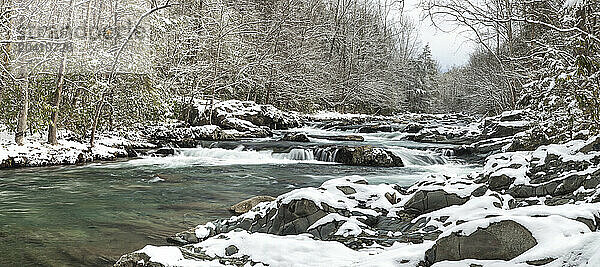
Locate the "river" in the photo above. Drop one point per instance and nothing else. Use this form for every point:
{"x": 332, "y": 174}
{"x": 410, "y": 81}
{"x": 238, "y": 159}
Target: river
{"x": 89, "y": 215}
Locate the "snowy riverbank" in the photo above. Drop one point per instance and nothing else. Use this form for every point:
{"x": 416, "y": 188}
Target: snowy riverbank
{"x": 37, "y": 152}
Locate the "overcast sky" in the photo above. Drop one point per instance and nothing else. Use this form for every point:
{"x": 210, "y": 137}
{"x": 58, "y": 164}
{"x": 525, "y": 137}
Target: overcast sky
{"x": 449, "y": 49}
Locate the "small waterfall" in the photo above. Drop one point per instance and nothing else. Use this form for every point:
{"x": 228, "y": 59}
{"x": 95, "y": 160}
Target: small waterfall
{"x": 327, "y": 154}
{"x": 447, "y": 152}
{"x": 412, "y": 157}
{"x": 300, "y": 154}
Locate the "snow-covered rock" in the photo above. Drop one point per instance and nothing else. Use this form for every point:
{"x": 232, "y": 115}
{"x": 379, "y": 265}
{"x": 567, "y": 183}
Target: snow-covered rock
{"x": 559, "y": 172}
{"x": 366, "y": 156}
{"x": 501, "y": 240}
{"x": 180, "y": 135}
{"x": 258, "y": 115}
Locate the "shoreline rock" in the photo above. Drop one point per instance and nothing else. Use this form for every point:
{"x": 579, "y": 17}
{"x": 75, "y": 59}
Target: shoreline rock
{"x": 247, "y": 205}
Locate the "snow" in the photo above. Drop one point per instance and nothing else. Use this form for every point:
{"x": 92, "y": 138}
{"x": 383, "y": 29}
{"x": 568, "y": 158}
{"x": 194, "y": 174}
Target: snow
{"x": 351, "y": 226}
{"x": 318, "y": 197}
{"x": 234, "y": 108}
{"x": 453, "y": 185}
{"x": 504, "y": 164}
{"x": 241, "y": 123}
{"x": 301, "y": 250}
{"x": 172, "y": 256}
{"x": 573, "y": 3}
{"x": 517, "y": 164}
{"x": 576, "y": 250}
{"x": 37, "y": 152}
{"x": 205, "y": 129}
{"x": 330, "y": 115}
{"x": 559, "y": 230}
{"x": 203, "y": 231}
{"x": 514, "y": 123}
{"x": 281, "y": 251}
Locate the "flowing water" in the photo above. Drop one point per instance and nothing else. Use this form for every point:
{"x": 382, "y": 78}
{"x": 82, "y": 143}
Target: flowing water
{"x": 89, "y": 215}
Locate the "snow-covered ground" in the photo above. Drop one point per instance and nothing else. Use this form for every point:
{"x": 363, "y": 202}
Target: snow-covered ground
{"x": 36, "y": 151}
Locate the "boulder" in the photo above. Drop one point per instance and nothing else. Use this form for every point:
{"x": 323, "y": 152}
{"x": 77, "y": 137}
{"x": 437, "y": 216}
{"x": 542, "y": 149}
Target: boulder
{"x": 295, "y": 137}
{"x": 506, "y": 124}
{"x": 424, "y": 201}
{"x": 367, "y": 156}
{"x": 260, "y": 115}
{"x": 515, "y": 115}
{"x": 448, "y": 134}
{"x": 237, "y": 124}
{"x": 165, "y": 151}
{"x": 502, "y": 240}
{"x": 529, "y": 140}
{"x": 375, "y": 129}
{"x": 500, "y": 182}
{"x": 349, "y": 138}
{"x": 245, "y": 129}
{"x": 290, "y": 218}
{"x": 247, "y": 205}
{"x": 593, "y": 144}
{"x": 413, "y": 128}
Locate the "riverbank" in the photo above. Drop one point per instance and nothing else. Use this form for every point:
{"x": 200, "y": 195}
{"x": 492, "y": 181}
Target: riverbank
{"x": 36, "y": 152}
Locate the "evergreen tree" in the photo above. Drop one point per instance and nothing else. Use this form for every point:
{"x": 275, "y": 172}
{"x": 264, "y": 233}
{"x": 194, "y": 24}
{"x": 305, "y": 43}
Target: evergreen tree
{"x": 420, "y": 97}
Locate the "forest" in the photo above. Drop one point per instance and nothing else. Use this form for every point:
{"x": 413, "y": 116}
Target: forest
{"x": 97, "y": 63}
{"x": 332, "y": 121}
{"x": 105, "y": 64}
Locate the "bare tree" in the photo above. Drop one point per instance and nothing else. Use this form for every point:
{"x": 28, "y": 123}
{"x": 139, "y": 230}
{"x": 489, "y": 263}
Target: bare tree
{"x": 114, "y": 67}
{"x": 52, "y": 129}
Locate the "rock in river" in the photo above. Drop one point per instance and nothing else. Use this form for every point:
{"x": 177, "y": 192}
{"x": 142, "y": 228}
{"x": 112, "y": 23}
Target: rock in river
{"x": 367, "y": 156}
{"x": 343, "y": 138}
{"x": 375, "y": 129}
{"x": 247, "y": 205}
{"x": 296, "y": 137}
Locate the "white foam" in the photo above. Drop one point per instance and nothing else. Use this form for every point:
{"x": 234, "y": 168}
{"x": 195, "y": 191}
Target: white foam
{"x": 220, "y": 157}
{"x": 413, "y": 157}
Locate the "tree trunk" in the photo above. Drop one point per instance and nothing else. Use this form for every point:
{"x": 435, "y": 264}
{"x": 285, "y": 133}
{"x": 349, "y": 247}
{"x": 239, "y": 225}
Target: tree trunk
{"x": 22, "y": 121}
{"x": 96, "y": 120}
{"x": 52, "y": 129}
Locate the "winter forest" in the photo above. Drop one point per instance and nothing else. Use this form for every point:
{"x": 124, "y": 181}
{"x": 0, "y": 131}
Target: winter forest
{"x": 123, "y": 123}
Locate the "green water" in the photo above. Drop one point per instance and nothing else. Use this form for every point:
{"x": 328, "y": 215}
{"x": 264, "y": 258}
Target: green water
{"x": 90, "y": 215}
